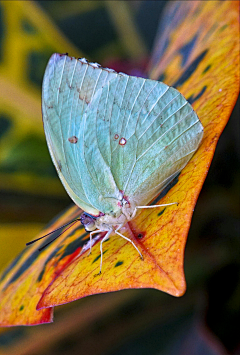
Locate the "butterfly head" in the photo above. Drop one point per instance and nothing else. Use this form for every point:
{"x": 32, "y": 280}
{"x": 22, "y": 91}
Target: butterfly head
{"x": 122, "y": 211}
{"x": 88, "y": 221}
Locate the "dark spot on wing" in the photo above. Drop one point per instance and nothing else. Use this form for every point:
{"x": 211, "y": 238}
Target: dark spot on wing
{"x": 140, "y": 236}
{"x": 122, "y": 141}
{"x": 83, "y": 98}
{"x": 193, "y": 98}
{"x": 165, "y": 191}
{"x": 21, "y": 307}
{"x": 119, "y": 263}
{"x": 186, "y": 50}
{"x": 73, "y": 139}
{"x": 59, "y": 165}
{"x": 68, "y": 83}
{"x": 190, "y": 69}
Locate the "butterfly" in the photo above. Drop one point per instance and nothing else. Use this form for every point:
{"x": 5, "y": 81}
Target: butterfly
{"x": 116, "y": 140}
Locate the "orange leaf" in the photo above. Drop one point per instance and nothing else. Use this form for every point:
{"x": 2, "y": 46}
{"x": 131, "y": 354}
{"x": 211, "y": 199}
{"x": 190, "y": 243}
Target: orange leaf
{"x": 198, "y": 52}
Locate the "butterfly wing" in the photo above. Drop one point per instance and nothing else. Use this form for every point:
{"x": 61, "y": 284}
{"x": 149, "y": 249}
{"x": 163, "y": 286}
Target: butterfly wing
{"x": 145, "y": 131}
{"x": 69, "y": 85}
{"x": 108, "y": 132}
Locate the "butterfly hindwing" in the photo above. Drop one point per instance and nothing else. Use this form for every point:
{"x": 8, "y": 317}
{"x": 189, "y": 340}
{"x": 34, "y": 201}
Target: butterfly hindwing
{"x": 145, "y": 131}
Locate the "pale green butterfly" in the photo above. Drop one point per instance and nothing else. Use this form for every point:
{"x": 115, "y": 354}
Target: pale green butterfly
{"x": 116, "y": 140}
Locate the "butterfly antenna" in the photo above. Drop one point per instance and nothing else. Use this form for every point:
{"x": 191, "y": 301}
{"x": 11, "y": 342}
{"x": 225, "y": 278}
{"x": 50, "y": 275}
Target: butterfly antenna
{"x": 57, "y": 236}
{"x": 35, "y": 240}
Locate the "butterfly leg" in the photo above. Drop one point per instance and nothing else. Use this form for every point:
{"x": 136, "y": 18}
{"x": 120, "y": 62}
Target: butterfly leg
{"x": 153, "y": 206}
{"x": 94, "y": 232}
{"x": 129, "y": 240}
{"x": 103, "y": 240}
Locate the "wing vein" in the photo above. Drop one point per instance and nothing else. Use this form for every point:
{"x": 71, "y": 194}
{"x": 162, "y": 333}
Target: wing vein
{"x": 166, "y": 133}
{"x": 142, "y": 106}
{"x": 93, "y": 181}
{"x": 155, "y": 105}
{"x": 111, "y": 116}
{"x": 159, "y": 115}
{"x": 166, "y": 121}
{"x": 70, "y": 84}
{"x": 120, "y": 108}
{"x": 169, "y": 158}
{"x": 105, "y": 117}
{"x": 60, "y": 82}
{"x": 133, "y": 103}
{"x": 135, "y": 158}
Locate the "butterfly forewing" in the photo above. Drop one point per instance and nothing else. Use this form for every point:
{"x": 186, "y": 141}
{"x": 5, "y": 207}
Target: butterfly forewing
{"x": 108, "y": 132}
{"x": 68, "y": 87}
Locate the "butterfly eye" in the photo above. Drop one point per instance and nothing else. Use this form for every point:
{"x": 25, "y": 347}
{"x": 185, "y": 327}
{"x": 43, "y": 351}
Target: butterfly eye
{"x": 88, "y": 222}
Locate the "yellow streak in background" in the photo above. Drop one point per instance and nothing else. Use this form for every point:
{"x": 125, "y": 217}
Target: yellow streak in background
{"x": 120, "y": 12}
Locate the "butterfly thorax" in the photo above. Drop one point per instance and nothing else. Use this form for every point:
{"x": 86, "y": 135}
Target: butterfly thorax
{"x": 123, "y": 212}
